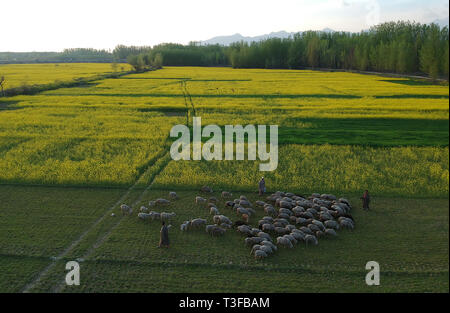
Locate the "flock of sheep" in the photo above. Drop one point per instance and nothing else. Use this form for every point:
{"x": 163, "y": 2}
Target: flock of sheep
{"x": 291, "y": 218}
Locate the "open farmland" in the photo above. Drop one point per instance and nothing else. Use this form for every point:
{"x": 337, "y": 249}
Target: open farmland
{"x": 40, "y": 74}
{"x": 69, "y": 157}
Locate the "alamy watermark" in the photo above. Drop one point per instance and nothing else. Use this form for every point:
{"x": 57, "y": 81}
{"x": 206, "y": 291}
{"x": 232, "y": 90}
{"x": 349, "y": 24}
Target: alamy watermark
{"x": 212, "y": 149}
{"x": 373, "y": 276}
{"x": 73, "y": 276}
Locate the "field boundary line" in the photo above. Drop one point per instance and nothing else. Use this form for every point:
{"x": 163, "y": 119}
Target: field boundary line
{"x": 74, "y": 243}
{"x": 103, "y": 238}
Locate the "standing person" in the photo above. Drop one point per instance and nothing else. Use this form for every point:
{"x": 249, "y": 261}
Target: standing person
{"x": 366, "y": 200}
{"x": 262, "y": 186}
{"x": 164, "y": 237}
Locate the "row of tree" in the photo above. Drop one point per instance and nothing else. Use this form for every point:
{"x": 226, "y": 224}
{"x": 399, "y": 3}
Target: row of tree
{"x": 67, "y": 56}
{"x": 396, "y": 47}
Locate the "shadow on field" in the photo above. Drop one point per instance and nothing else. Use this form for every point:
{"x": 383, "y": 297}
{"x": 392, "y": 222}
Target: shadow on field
{"x": 410, "y": 82}
{"x": 413, "y": 96}
{"x": 367, "y": 131}
{"x": 9, "y": 105}
{"x": 171, "y": 95}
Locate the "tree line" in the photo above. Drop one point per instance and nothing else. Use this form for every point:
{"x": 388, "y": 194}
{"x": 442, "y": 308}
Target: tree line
{"x": 394, "y": 47}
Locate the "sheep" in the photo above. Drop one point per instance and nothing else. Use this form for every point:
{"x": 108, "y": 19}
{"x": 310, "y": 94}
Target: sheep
{"x": 330, "y": 232}
{"x": 343, "y": 200}
{"x": 290, "y": 227}
{"x": 143, "y": 216}
{"x": 254, "y": 248}
{"x": 219, "y": 219}
{"x": 212, "y": 200}
{"x": 270, "y": 244}
{"x": 299, "y": 236}
{"x": 215, "y": 230}
{"x": 245, "y": 203}
{"x": 173, "y": 195}
{"x": 225, "y": 225}
{"x": 281, "y": 230}
{"x": 329, "y": 197}
{"x": 206, "y": 189}
{"x": 269, "y": 219}
{"x": 285, "y": 211}
{"x": 184, "y": 226}
{"x": 112, "y": 214}
{"x": 298, "y": 210}
{"x": 200, "y": 200}
{"x": 320, "y": 234}
{"x": 259, "y": 254}
{"x": 301, "y": 221}
{"x": 210, "y": 205}
{"x": 229, "y": 204}
{"x": 244, "y": 229}
{"x": 283, "y": 222}
{"x": 241, "y": 210}
{"x": 292, "y": 219}
{"x": 285, "y": 204}
{"x": 155, "y": 215}
{"x": 255, "y": 231}
{"x": 152, "y": 203}
{"x": 284, "y": 216}
{"x": 325, "y": 216}
{"x": 347, "y": 223}
{"x": 126, "y": 209}
{"x": 311, "y": 240}
{"x": 265, "y": 236}
{"x": 143, "y": 209}
{"x": 214, "y": 211}
{"x": 251, "y": 211}
{"x": 242, "y": 197}
{"x": 332, "y": 224}
{"x": 161, "y": 201}
{"x": 267, "y": 249}
{"x": 260, "y": 204}
{"x": 285, "y": 242}
{"x": 268, "y": 227}
{"x": 226, "y": 194}
{"x": 245, "y": 217}
{"x": 306, "y": 230}
{"x": 270, "y": 210}
{"x": 197, "y": 223}
{"x": 319, "y": 224}
{"x": 167, "y": 216}
{"x": 313, "y": 227}
{"x": 291, "y": 239}
{"x": 253, "y": 240}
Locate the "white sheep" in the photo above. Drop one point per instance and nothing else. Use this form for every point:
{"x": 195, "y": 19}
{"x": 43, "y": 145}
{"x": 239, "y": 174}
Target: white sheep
{"x": 126, "y": 209}
{"x": 143, "y": 216}
{"x": 167, "y": 216}
{"x": 197, "y": 223}
{"x": 173, "y": 195}
{"x": 226, "y": 194}
{"x": 200, "y": 200}
{"x": 282, "y": 241}
{"x": 259, "y": 254}
{"x": 311, "y": 240}
{"x": 162, "y": 201}
{"x": 143, "y": 209}
{"x": 214, "y": 211}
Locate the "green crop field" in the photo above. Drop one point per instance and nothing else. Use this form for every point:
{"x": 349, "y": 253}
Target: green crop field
{"x": 69, "y": 157}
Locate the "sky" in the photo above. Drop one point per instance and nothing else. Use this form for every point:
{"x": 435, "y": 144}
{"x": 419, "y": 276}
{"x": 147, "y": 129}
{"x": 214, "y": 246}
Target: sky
{"x": 52, "y": 25}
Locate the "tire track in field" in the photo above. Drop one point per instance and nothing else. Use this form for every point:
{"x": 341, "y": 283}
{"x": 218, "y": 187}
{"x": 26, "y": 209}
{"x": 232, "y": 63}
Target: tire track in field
{"x": 59, "y": 286}
{"x": 66, "y": 251}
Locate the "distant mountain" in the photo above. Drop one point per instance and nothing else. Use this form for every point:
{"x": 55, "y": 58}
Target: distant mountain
{"x": 227, "y": 40}
{"x": 442, "y": 21}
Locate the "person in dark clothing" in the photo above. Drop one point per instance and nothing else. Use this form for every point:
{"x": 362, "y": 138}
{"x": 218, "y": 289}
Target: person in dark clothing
{"x": 262, "y": 186}
{"x": 164, "y": 237}
{"x": 365, "y": 200}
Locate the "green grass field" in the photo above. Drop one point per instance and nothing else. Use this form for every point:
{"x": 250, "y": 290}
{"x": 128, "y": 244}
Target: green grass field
{"x": 69, "y": 157}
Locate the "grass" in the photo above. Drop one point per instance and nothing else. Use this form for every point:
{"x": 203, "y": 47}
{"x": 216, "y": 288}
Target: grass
{"x": 128, "y": 259}
{"x": 70, "y": 156}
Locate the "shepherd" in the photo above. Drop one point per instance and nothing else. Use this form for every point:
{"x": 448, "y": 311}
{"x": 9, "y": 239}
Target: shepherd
{"x": 262, "y": 186}
{"x": 366, "y": 200}
{"x": 164, "y": 237}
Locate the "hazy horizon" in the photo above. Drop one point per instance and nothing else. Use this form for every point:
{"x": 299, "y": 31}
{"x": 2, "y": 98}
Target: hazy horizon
{"x": 51, "y": 25}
